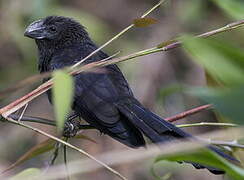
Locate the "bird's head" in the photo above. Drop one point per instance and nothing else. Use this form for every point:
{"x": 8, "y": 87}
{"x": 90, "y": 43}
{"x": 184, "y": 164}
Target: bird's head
{"x": 56, "y": 28}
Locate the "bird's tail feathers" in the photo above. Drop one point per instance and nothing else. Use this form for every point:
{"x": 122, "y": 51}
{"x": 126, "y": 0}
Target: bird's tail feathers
{"x": 159, "y": 130}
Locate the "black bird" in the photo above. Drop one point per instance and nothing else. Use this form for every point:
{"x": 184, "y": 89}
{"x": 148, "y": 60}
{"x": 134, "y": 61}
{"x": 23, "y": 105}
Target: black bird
{"x": 103, "y": 99}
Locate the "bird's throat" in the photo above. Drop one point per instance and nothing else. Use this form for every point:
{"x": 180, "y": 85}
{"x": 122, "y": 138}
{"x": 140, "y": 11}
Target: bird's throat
{"x": 45, "y": 51}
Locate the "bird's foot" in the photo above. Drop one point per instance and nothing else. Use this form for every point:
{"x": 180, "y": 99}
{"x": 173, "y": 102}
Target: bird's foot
{"x": 71, "y": 126}
{"x": 70, "y": 130}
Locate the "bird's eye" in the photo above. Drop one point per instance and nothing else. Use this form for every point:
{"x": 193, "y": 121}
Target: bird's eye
{"x": 53, "y": 28}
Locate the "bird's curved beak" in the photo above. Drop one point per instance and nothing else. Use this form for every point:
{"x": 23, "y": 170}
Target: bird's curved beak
{"x": 35, "y": 30}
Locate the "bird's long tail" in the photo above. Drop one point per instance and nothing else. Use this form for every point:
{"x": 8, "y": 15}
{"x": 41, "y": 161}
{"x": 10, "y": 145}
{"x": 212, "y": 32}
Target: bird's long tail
{"x": 158, "y": 130}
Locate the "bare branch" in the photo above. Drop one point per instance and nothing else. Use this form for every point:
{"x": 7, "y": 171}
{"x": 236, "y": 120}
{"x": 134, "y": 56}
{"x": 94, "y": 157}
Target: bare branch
{"x": 12, "y": 107}
{"x": 207, "y": 124}
{"x": 119, "y": 34}
{"x": 188, "y": 113}
{"x": 68, "y": 145}
{"x": 233, "y": 144}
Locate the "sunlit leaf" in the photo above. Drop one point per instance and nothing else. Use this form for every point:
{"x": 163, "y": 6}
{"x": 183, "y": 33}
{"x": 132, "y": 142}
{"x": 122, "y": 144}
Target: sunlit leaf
{"x": 28, "y": 174}
{"x": 207, "y": 158}
{"x": 144, "y": 22}
{"x": 235, "y": 8}
{"x": 221, "y": 61}
{"x": 41, "y": 148}
{"x": 62, "y": 96}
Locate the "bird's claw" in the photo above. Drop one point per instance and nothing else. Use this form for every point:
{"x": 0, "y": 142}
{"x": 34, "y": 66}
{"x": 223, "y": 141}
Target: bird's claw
{"x": 70, "y": 130}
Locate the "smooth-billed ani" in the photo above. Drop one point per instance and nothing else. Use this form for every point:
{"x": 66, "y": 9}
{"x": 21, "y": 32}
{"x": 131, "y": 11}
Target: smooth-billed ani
{"x": 103, "y": 99}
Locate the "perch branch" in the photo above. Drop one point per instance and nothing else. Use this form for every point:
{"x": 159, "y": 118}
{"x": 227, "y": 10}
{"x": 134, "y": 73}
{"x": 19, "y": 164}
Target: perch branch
{"x": 68, "y": 145}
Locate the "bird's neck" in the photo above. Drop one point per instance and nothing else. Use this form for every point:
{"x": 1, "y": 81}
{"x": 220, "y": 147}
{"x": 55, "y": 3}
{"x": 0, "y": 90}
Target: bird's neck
{"x": 45, "y": 51}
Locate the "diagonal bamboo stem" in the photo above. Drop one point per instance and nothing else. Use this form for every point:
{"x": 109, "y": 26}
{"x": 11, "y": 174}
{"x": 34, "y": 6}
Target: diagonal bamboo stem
{"x": 14, "y": 106}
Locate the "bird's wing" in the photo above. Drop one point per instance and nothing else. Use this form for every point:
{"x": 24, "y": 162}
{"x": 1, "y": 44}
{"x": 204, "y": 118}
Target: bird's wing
{"x": 95, "y": 98}
{"x": 101, "y": 94}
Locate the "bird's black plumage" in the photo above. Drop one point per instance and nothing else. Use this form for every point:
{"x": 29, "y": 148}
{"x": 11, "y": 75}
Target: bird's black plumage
{"x": 103, "y": 99}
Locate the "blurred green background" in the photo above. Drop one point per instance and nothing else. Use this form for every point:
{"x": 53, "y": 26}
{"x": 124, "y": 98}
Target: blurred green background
{"x": 157, "y": 80}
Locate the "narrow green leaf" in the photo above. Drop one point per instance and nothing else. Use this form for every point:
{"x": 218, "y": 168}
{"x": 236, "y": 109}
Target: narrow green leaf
{"x": 219, "y": 60}
{"x": 207, "y": 158}
{"x": 62, "y": 96}
{"x": 27, "y": 174}
{"x": 41, "y": 148}
{"x": 144, "y": 22}
{"x": 227, "y": 101}
{"x": 235, "y": 8}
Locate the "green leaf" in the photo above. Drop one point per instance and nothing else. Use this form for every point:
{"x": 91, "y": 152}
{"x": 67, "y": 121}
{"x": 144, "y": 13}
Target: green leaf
{"x": 207, "y": 158}
{"x": 62, "y": 96}
{"x": 235, "y": 8}
{"x": 41, "y": 148}
{"x": 166, "y": 176}
{"x": 28, "y": 174}
{"x": 144, "y": 22}
{"x": 228, "y": 101}
{"x": 221, "y": 61}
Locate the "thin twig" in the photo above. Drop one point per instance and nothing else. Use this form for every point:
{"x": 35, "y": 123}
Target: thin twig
{"x": 228, "y": 27}
{"x": 33, "y": 119}
{"x": 23, "y": 112}
{"x": 7, "y": 110}
{"x": 34, "y": 78}
{"x": 23, "y": 83}
{"x": 119, "y": 34}
{"x": 69, "y": 145}
{"x": 84, "y": 126}
{"x": 135, "y": 157}
{"x": 14, "y": 106}
{"x": 188, "y": 113}
{"x": 207, "y": 124}
{"x": 55, "y": 154}
{"x": 19, "y": 103}
{"x": 225, "y": 143}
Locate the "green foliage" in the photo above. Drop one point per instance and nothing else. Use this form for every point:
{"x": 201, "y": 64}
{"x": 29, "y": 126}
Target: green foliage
{"x": 234, "y": 8}
{"x": 62, "y": 96}
{"x": 28, "y": 174}
{"x": 225, "y": 64}
{"x": 42, "y": 148}
{"x": 229, "y": 102}
{"x": 207, "y": 158}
